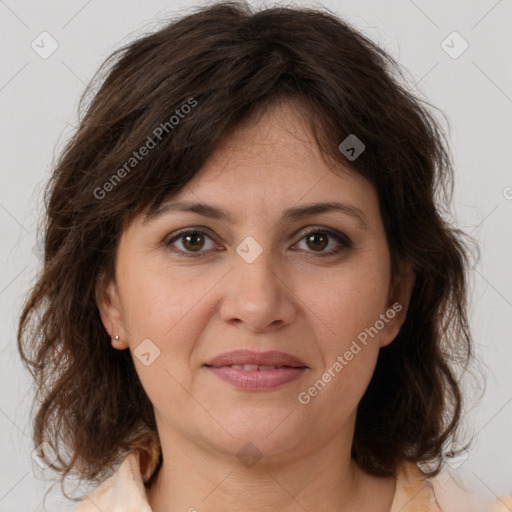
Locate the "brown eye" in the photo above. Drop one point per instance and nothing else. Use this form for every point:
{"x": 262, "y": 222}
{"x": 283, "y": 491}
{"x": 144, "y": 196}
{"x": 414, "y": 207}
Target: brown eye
{"x": 317, "y": 241}
{"x": 191, "y": 241}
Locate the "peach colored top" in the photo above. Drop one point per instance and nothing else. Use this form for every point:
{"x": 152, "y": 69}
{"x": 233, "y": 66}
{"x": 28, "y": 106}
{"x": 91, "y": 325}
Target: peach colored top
{"x": 124, "y": 491}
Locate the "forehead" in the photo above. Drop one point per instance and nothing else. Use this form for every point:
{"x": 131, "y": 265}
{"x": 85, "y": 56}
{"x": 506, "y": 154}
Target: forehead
{"x": 271, "y": 169}
{"x": 276, "y": 153}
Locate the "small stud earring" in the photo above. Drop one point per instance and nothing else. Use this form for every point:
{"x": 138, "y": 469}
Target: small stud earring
{"x": 117, "y": 337}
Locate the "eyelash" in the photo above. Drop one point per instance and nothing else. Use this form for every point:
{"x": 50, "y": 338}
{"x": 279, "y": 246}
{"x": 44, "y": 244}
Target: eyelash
{"x": 342, "y": 239}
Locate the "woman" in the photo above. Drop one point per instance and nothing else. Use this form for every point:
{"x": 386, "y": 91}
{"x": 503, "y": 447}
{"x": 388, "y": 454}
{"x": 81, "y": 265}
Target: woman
{"x": 249, "y": 298}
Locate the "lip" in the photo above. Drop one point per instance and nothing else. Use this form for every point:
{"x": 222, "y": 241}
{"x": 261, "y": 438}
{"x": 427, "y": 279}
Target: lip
{"x": 289, "y": 369}
{"x": 270, "y": 358}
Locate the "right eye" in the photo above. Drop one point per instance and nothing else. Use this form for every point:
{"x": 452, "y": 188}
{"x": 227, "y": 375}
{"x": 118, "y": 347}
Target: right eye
{"x": 191, "y": 241}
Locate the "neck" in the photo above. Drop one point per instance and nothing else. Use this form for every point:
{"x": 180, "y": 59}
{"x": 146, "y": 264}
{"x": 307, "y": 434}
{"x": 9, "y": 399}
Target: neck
{"x": 325, "y": 479}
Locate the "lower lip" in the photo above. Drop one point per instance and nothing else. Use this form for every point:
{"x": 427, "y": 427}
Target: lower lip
{"x": 257, "y": 379}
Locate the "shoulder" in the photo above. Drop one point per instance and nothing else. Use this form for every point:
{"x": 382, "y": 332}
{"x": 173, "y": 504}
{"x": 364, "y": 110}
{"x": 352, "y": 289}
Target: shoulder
{"x": 414, "y": 492}
{"x": 124, "y": 490}
{"x": 443, "y": 493}
{"x": 454, "y": 494}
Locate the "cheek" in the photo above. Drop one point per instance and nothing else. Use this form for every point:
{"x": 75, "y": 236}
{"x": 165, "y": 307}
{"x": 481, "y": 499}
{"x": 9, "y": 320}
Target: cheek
{"x": 349, "y": 306}
{"x": 345, "y": 303}
{"x": 160, "y": 299}
{"x": 162, "y": 306}
{"x": 345, "y": 315}
{"x": 171, "y": 308}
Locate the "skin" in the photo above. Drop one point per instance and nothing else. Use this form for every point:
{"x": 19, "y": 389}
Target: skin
{"x": 289, "y": 299}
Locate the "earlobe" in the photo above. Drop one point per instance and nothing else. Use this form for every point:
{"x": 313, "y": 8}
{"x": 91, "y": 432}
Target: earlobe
{"x": 107, "y": 300}
{"x": 398, "y": 302}
{"x": 117, "y": 342}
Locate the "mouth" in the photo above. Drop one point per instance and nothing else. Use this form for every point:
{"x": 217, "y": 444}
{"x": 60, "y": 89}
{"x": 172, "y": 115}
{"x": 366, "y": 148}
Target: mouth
{"x": 253, "y": 367}
{"x": 251, "y": 370}
{"x": 251, "y": 360}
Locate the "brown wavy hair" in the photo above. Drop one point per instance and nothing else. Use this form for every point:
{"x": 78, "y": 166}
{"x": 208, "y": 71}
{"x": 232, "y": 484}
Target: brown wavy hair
{"x": 233, "y": 62}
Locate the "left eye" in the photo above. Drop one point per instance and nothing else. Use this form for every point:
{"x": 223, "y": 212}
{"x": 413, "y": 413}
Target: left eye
{"x": 319, "y": 238}
{"x": 192, "y": 241}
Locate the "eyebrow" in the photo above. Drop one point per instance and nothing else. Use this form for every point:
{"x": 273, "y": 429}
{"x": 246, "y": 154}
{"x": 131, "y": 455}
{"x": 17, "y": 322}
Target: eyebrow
{"x": 292, "y": 214}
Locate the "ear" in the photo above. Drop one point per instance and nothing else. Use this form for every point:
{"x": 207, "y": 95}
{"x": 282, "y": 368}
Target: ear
{"x": 108, "y": 302}
{"x": 400, "y": 291}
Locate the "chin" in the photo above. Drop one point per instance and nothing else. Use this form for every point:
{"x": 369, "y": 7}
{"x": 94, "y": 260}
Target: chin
{"x": 257, "y": 434}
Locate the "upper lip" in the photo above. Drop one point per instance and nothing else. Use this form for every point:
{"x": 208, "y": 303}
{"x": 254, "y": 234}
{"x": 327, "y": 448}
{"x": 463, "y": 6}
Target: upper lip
{"x": 271, "y": 358}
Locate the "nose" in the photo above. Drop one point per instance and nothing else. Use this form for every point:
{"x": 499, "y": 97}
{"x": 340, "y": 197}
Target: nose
{"x": 257, "y": 295}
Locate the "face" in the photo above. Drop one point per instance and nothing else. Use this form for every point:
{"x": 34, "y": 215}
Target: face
{"x": 315, "y": 286}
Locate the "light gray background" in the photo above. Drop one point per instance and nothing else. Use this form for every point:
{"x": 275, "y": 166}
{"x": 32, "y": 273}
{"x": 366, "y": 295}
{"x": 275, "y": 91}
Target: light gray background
{"x": 38, "y": 99}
